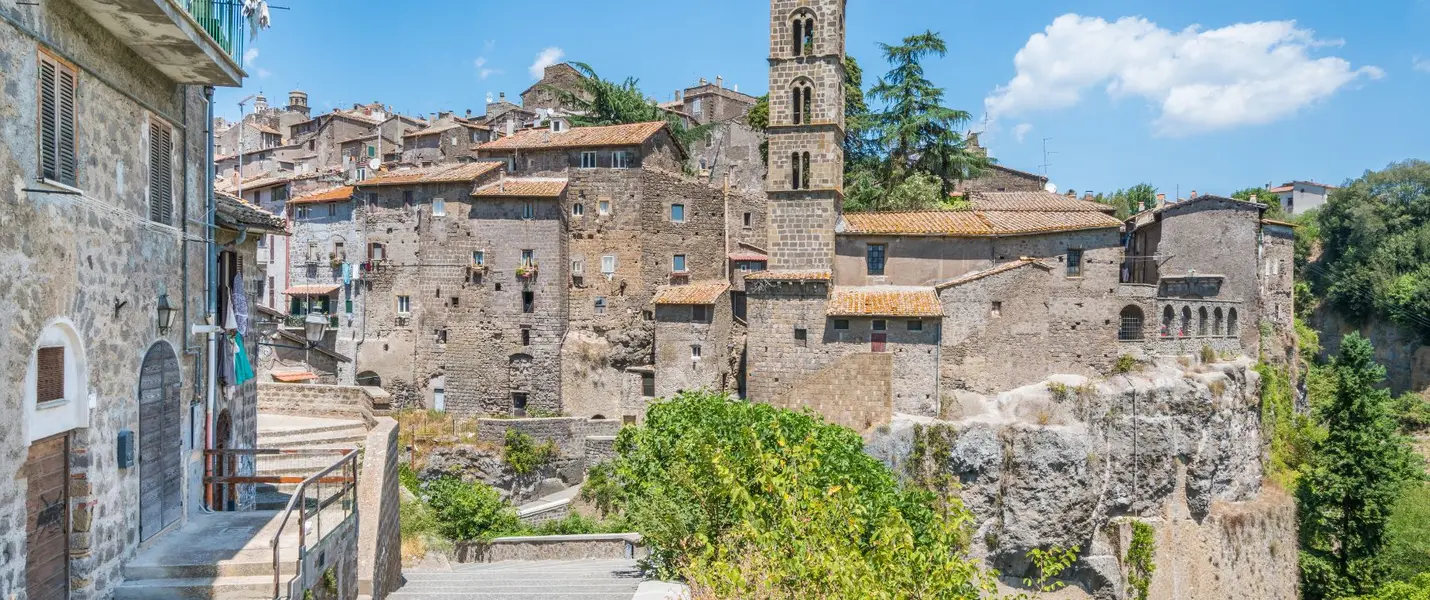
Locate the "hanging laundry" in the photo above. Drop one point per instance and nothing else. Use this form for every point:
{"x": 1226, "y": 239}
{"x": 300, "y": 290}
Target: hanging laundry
{"x": 347, "y": 273}
{"x": 242, "y": 368}
{"x": 257, "y": 13}
{"x": 239, "y": 305}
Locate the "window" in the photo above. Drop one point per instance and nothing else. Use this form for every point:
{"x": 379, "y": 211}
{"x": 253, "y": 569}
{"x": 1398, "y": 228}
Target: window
{"x": 997, "y": 310}
{"x": 1231, "y": 322}
{"x": 362, "y": 173}
{"x": 1131, "y": 328}
{"x": 371, "y": 151}
{"x": 795, "y": 179}
{"x": 648, "y": 385}
{"x": 881, "y": 325}
{"x": 376, "y": 251}
{"x": 801, "y": 334}
{"x": 695, "y": 352}
{"x": 679, "y": 263}
{"x": 439, "y": 399}
{"x": 407, "y": 198}
{"x": 578, "y": 267}
{"x": 749, "y": 220}
{"x": 312, "y": 252}
{"x": 600, "y": 305}
{"x": 803, "y": 27}
{"x": 1074, "y": 259}
{"x": 841, "y": 324}
{"x": 161, "y": 172}
{"x": 340, "y": 251}
{"x": 699, "y": 313}
{"x": 874, "y": 258}
{"x": 695, "y": 107}
{"x": 59, "y": 159}
{"x": 439, "y": 207}
{"x": 608, "y": 265}
{"x": 332, "y": 209}
{"x": 518, "y": 403}
{"x": 455, "y": 302}
{"x": 1202, "y": 321}
{"x": 479, "y": 257}
{"x": 528, "y": 211}
{"x": 404, "y": 305}
{"x": 677, "y": 213}
{"x": 528, "y": 258}
{"x": 50, "y": 374}
{"x": 526, "y": 336}
{"x": 604, "y": 207}
{"x": 621, "y": 159}
{"x": 1186, "y": 328}
{"x": 588, "y": 160}
{"x": 441, "y": 335}
{"x": 799, "y": 171}
{"x": 803, "y": 104}
{"x": 915, "y": 325}
{"x": 528, "y": 302}
{"x": 1167, "y": 316}
{"x": 578, "y": 209}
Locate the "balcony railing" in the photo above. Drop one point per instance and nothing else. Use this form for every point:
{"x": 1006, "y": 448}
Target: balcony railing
{"x": 223, "y": 20}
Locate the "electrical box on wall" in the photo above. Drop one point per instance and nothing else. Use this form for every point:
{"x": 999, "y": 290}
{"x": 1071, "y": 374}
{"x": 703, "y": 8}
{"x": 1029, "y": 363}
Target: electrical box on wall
{"x": 126, "y": 448}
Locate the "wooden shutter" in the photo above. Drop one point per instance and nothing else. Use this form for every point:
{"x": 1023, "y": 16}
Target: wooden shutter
{"x": 58, "y": 86}
{"x": 50, "y": 374}
{"x": 161, "y": 172}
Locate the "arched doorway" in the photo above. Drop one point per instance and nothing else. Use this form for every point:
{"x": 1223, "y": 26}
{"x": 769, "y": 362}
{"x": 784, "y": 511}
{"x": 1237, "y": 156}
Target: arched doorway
{"x": 160, "y": 440}
{"x": 224, "y": 466}
{"x": 369, "y": 379}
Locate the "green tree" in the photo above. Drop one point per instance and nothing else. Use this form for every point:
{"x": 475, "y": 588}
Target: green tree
{"x": 598, "y": 101}
{"x": 1355, "y": 475}
{"x": 1261, "y": 195}
{"x": 1143, "y": 196}
{"x": 468, "y": 511}
{"x": 1407, "y": 535}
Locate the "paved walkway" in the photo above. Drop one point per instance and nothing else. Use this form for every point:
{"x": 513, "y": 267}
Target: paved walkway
{"x": 525, "y": 580}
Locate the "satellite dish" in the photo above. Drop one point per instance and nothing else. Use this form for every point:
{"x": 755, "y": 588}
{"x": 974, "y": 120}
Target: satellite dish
{"x": 1051, "y": 187}
{"x": 373, "y": 163}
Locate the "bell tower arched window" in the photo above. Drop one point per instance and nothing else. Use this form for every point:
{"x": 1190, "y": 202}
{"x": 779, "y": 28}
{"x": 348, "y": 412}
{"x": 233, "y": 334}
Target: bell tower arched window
{"x": 802, "y": 103}
{"x": 795, "y": 178}
{"x": 799, "y": 171}
{"x": 803, "y": 28}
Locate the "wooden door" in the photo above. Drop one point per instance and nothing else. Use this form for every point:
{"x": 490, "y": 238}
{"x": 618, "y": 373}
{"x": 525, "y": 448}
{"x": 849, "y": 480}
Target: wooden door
{"x": 47, "y": 520}
{"x": 878, "y": 342}
{"x": 160, "y": 440}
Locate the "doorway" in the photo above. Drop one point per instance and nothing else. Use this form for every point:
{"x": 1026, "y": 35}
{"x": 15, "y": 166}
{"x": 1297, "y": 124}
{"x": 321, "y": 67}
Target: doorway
{"x": 160, "y": 441}
{"x": 47, "y": 519}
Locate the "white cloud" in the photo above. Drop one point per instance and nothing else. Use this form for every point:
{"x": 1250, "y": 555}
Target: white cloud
{"x": 546, "y": 58}
{"x": 249, "y": 55}
{"x": 1241, "y": 74}
{"x": 1021, "y": 130}
{"x": 1420, "y": 64}
{"x": 263, "y": 73}
{"x": 483, "y": 71}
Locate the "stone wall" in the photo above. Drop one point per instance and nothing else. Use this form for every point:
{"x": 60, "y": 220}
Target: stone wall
{"x": 733, "y": 151}
{"x": 925, "y": 260}
{"x": 339, "y": 549}
{"x": 599, "y": 449}
{"x": 380, "y": 547}
{"x": 335, "y": 401}
{"x": 677, "y": 332}
{"x": 1405, "y": 355}
{"x": 554, "y": 547}
{"x": 1003, "y": 179}
{"x": 853, "y": 391}
{"x": 568, "y": 433}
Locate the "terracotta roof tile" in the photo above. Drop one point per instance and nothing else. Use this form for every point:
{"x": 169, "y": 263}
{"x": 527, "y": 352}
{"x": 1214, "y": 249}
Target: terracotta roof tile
{"x": 748, "y": 255}
{"x": 311, "y": 290}
{"x": 233, "y": 211}
{"x": 784, "y": 275}
{"x": 972, "y": 223}
{"x": 577, "y": 137}
{"x": 331, "y": 195}
{"x": 976, "y": 275}
{"x": 884, "y": 301}
{"x": 1024, "y": 222}
{"x": 1033, "y": 202}
{"x": 1282, "y": 189}
{"x": 294, "y": 377}
{"x": 464, "y": 172}
{"x": 700, "y": 292}
{"x": 523, "y": 188}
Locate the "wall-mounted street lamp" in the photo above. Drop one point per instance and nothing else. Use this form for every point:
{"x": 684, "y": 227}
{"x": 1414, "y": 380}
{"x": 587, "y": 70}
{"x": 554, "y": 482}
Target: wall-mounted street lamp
{"x": 314, "y": 326}
{"x": 166, "y": 314}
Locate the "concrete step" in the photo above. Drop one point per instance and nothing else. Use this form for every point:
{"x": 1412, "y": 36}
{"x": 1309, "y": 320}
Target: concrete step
{"x": 249, "y": 587}
{"x": 526, "y": 580}
{"x": 349, "y": 437}
{"x": 243, "y": 563}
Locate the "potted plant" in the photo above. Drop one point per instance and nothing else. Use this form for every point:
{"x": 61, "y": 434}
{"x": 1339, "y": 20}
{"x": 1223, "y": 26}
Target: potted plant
{"x": 526, "y": 271}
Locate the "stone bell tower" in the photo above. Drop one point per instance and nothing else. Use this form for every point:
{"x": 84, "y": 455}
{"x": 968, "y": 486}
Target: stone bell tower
{"x": 806, "y": 132}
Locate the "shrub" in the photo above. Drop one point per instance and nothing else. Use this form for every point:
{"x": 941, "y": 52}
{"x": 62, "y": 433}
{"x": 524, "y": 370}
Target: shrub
{"x": 468, "y": 511}
{"x": 1125, "y": 364}
{"x": 1141, "y": 559}
{"x": 1407, "y": 535}
{"x": 574, "y": 524}
{"x": 1208, "y": 355}
{"x": 408, "y": 478}
{"x": 1290, "y": 434}
{"x": 1413, "y": 410}
{"x": 524, "y": 455}
{"x": 1061, "y": 392}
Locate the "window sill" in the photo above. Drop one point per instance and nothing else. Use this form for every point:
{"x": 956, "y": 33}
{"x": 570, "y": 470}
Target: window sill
{"x": 49, "y": 404}
{"x": 63, "y": 188}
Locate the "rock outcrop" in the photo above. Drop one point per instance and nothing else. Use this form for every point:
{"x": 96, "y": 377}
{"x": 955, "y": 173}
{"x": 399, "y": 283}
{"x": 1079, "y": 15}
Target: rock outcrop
{"x": 1070, "y": 462}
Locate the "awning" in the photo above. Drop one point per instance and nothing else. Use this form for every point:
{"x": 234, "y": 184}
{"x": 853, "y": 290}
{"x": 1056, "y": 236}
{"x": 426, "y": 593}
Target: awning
{"x": 750, "y": 256}
{"x": 294, "y": 377}
{"x": 311, "y": 290}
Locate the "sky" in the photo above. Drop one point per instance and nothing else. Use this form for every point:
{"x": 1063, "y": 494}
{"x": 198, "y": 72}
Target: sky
{"x": 1212, "y": 96}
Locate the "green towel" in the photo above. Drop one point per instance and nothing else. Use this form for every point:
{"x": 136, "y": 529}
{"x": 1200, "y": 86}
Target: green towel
{"x": 242, "y": 368}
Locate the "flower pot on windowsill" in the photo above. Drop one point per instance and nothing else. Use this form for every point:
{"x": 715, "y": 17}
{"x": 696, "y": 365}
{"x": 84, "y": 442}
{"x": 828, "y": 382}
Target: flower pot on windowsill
{"x": 526, "y": 272}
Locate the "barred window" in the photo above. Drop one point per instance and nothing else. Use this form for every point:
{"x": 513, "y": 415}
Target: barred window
{"x": 874, "y": 257}
{"x": 1131, "y": 328}
{"x": 1074, "y": 262}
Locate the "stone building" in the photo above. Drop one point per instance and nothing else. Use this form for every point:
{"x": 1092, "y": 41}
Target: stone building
{"x": 561, "y": 77}
{"x": 110, "y": 403}
{"x": 999, "y": 178}
{"x": 447, "y": 139}
{"x": 693, "y": 333}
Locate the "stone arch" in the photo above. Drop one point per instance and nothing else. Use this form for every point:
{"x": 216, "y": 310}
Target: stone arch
{"x": 1231, "y": 322}
{"x": 802, "y": 26}
{"x": 65, "y": 385}
{"x": 160, "y": 440}
{"x": 369, "y": 378}
{"x": 224, "y": 496}
{"x": 1202, "y": 321}
{"x": 1131, "y": 325}
{"x": 1186, "y": 329}
{"x": 1168, "y": 316}
{"x": 802, "y": 100}
{"x": 1217, "y": 322}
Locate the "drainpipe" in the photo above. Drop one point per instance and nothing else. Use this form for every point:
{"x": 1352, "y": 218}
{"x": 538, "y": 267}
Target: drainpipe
{"x": 211, "y": 294}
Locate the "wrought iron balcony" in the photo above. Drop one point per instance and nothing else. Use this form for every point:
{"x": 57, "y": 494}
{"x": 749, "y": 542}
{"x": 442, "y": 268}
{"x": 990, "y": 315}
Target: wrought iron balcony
{"x": 191, "y": 41}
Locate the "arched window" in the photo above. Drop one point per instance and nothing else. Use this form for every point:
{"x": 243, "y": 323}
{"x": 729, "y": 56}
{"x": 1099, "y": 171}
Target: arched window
{"x": 1231, "y": 322}
{"x": 803, "y": 28}
{"x": 1186, "y": 328}
{"x": 795, "y": 178}
{"x": 56, "y": 393}
{"x": 1168, "y": 315}
{"x": 802, "y": 103}
{"x": 804, "y": 171}
{"x": 1216, "y": 322}
{"x": 1131, "y": 328}
{"x": 1202, "y": 322}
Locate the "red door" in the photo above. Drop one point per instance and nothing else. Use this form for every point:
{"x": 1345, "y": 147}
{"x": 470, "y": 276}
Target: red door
{"x": 878, "y": 341}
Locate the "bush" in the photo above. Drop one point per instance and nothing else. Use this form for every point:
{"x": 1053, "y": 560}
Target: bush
{"x": 574, "y": 524}
{"x": 1417, "y": 588}
{"x": 468, "y": 512}
{"x": 750, "y": 501}
{"x": 524, "y": 455}
{"x": 1407, "y": 535}
{"x": 1413, "y": 410}
{"x": 1291, "y": 435}
{"x": 408, "y": 478}
{"x": 1208, "y": 355}
{"x": 1125, "y": 364}
{"x": 1141, "y": 557}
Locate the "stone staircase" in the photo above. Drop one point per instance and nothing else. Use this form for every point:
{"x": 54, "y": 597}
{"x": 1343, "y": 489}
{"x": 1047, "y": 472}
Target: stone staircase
{"x": 213, "y": 556}
{"x": 292, "y": 432}
{"x": 609, "y": 579}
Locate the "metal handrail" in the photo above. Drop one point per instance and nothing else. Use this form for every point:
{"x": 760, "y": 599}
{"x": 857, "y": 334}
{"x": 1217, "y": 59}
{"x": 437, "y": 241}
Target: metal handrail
{"x": 299, "y": 498}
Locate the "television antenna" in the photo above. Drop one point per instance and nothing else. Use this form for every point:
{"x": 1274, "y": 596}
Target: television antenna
{"x": 1046, "y": 154}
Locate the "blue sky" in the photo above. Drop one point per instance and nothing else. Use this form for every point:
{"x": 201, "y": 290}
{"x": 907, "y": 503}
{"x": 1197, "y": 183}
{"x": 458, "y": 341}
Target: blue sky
{"x": 1258, "y": 92}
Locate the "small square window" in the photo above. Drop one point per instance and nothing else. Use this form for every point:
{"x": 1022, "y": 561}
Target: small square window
{"x": 332, "y": 209}
{"x": 677, "y": 213}
{"x": 404, "y": 305}
{"x": 699, "y": 313}
{"x": 528, "y": 258}
{"x": 600, "y": 305}
{"x": 588, "y": 160}
{"x": 578, "y": 209}
{"x": 528, "y": 302}
{"x": 528, "y": 211}
{"x": 578, "y": 266}
{"x": 916, "y": 325}
{"x": 526, "y": 336}
{"x": 479, "y": 258}
{"x": 621, "y": 159}
{"x": 608, "y": 265}
{"x": 407, "y": 198}
{"x": 456, "y": 301}
{"x": 498, "y": 287}
{"x": 50, "y": 374}
{"x": 881, "y": 325}
{"x": 678, "y": 263}
{"x": 997, "y": 310}
{"x": 749, "y": 220}
{"x": 604, "y": 207}
{"x": 442, "y": 335}
{"x": 841, "y": 324}
{"x": 801, "y": 334}
{"x": 647, "y": 386}
{"x": 695, "y": 352}
{"x": 439, "y": 207}
{"x": 874, "y": 258}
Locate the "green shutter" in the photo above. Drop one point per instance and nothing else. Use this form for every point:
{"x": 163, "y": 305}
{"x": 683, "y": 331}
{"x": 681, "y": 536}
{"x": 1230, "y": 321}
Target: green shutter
{"x": 295, "y": 306}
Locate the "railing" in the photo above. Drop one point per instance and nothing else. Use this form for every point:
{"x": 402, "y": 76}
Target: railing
{"x": 327, "y": 496}
{"x": 223, "y": 20}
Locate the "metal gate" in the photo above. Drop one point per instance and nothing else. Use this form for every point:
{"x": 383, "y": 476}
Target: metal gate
{"x": 160, "y": 439}
{"x": 47, "y": 519}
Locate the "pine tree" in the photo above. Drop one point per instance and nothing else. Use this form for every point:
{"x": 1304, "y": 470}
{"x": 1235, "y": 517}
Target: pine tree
{"x": 1354, "y": 478}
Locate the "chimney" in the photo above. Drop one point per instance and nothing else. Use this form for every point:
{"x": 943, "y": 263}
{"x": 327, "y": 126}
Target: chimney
{"x": 1087, "y": 196}
{"x": 719, "y": 81}
{"x": 703, "y": 81}
{"x": 1253, "y": 197}
{"x": 469, "y": 113}
{"x": 501, "y": 97}
{"x": 1194, "y": 195}
{"x": 510, "y": 127}
{"x": 1161, "y": 199}
{"x": 735, "y": 88}
{"x": 1072, "y": 193}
